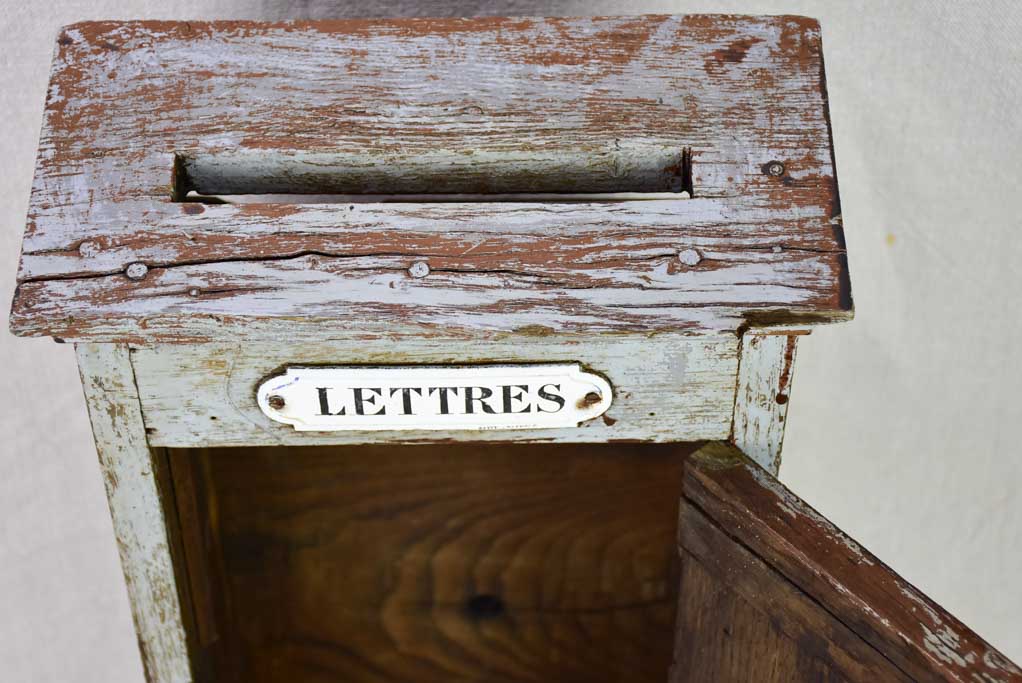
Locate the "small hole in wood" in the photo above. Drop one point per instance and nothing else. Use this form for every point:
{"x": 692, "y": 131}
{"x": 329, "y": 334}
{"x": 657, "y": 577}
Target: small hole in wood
{"x": 485, "y": 606}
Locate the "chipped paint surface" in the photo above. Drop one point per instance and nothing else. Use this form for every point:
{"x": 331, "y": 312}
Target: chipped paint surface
{"x": 596, "y": 103}
{"x": 761, "y": 398}
{"x": 666, "y": 387}
{"x": 136, "y": 510}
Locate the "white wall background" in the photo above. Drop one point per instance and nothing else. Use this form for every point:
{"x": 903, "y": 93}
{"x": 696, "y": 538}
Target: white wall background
{"x": 904, "y": 425}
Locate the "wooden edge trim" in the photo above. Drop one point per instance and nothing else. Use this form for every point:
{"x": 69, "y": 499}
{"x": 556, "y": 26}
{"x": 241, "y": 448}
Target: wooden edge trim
{"x": 886, "y": 611}
{"x": 130, "y": 473}
{"x": 765, "y": 370}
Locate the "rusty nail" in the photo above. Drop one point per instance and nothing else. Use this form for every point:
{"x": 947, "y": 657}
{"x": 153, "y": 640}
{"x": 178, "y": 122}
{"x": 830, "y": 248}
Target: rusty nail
{"x": 589, "y": 400}
{"x": 775, "y": 168}
{"x": 275, "y": 401}
{"x": 136, "y": 271}
{"x": 690, "y": 257}
{"x": 419, "y": 269}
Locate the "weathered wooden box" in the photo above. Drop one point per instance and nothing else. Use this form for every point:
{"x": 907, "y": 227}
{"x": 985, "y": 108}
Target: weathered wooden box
{"x": 310, "y": 267}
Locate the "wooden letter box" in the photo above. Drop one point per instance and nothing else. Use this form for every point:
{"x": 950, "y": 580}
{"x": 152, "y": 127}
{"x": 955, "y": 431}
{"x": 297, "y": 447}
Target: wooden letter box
{"x": 403, "y": 340}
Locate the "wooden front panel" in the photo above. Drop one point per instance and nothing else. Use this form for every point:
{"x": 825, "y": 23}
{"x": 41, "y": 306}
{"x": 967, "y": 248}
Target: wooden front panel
{"x": 467, "y": 562}
{"x": 772, "y": 591}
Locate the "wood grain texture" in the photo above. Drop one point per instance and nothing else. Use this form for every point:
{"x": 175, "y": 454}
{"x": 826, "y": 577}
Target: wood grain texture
{"x": 728, "y": 496}
{"x": 129, "y": 472}
{"x": 484, "y": 104}
{"x": 464, "y": 562}
{"x": 765, "y": 372}
{"x": 666, "y": 387}
{"x": 739, "y": 620}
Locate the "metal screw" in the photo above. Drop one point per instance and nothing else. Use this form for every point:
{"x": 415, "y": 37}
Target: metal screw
{"x": 778, "y": 249}
{"x": 419, "y": 269}
{"x": 193, "y": 292}
{"x": 275, "y": 401}
{"x": 136, "y": 271}
{"x": 690, "y": 257}
{"x": 589, "y": 400}
{"x": 775, "y": 168}
{"x": 88, "y": 248}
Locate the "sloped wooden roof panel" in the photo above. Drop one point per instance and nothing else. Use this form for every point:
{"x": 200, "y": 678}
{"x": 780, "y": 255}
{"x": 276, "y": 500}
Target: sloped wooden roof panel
{"x": 137, "y": 111}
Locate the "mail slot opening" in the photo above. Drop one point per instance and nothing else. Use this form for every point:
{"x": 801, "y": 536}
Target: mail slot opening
{"x": 510, "y": 562}
{"x": 619, "y": 173}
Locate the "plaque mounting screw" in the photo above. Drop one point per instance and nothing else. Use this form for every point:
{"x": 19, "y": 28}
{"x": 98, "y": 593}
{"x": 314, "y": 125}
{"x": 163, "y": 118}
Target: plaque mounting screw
{"x": 275, "y": 401}
{"x": 589, "y": 400}
{"x": 774, "y": 168}
{"x": 136, "y": 271}
{"x": 419, "y": 269}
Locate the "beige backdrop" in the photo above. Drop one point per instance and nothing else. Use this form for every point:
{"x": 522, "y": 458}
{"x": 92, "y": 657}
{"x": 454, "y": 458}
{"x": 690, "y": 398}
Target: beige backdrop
{"x": 904, "y": 424}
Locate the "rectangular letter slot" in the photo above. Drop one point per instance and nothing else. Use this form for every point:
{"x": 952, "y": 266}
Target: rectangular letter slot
{"x": 400, "y": 339}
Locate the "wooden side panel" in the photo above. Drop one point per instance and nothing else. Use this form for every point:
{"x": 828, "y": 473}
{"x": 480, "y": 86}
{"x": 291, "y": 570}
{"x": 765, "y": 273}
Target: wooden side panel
{"x": 782, "y": 575}
{"x": 130, "y": 474}
{"x": 139, "y": 110}
{"x": 765, "y": 371}
{"x": 444, "y": 563}
{"x": 666, "y": 387}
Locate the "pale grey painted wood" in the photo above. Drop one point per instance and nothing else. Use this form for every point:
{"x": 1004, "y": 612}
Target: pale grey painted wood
{"x": 482, "y": 105}
{"x": 136, "y": 510}
{"x": 667, "y": 387}
{"x": 765, "y": 370}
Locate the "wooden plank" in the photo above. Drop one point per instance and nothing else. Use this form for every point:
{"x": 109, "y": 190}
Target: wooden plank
{"x": 459, "y": 562}
{"x": 765, "y": 370}
{"x": 666, "y": 387}
{"x": 587, "y": 104}
{"x": 885, "y": 611}
{"x": 129, "y": 472}
{"x": 739, "y": 620}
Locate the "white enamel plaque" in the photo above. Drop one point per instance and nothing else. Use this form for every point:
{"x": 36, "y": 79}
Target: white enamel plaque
{"x": 476, "y": 397}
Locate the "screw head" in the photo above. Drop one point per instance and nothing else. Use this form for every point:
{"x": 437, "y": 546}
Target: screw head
{"x": 775, "y": 168}
{"x": 136, "y": 271}
{"x": 419, "y": 269}
{"x": 275, "y": 401}
{"x": 690, "y": 257}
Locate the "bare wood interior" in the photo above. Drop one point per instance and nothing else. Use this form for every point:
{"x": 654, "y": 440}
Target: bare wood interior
{"x": 431, "y": 563}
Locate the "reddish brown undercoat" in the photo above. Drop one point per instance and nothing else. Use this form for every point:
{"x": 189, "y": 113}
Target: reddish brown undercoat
{"x": 126, "y": 97}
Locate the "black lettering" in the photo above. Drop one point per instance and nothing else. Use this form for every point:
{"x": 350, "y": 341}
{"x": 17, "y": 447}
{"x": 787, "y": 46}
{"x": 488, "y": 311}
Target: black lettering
{"x": 508, "y": 398}
{"x": 549, "y": 396}
{"x": 324, "y": 403}
{"x": 445, "y": 408}
{"x": 361, "y": 401}
{"x": 406, "y": 397}
{"x": 485, "y": 392}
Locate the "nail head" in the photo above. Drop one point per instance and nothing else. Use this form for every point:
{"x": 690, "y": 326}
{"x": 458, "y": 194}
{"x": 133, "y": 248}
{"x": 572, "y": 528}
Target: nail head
{"x": 275, "y": 401}
{"x": 690, "y": 257}
{"x": 419, "y": 269}
{"x": 775, "y": 168}
{"x": 136, "y": 271}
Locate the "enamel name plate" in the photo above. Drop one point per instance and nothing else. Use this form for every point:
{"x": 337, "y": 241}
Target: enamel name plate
{"x": 477, "y": 397}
